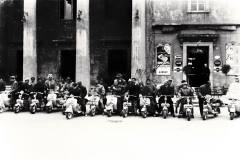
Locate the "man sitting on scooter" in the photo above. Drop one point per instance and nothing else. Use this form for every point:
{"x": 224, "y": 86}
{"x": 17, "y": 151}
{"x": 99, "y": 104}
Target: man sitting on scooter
{"x": 149, "y": 90}
{"x": 203, "y": 91}
{"x": 133, "y": 90}
{"x": 166, "y": 89}
{"x": 80, "y": 91}
{"x": 184, "y": 91}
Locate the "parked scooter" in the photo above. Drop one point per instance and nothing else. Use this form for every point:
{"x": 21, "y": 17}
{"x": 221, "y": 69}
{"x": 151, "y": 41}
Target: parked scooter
{"x": 129, "y": 106}
{"x": 145, "y": 102}
{"x": 22, "y": 103}
{"x": 55, "y": 102}
{"x": 111, "y": 104}
{"x": 4, "y": 101}
{"x": 72, "y": 107}
{"x": 92, "y": 104}
{"x": 188, "y": 110}
{"x": 211, "y": 107}
{"x": 234, "y": 108}
{"x": 37, "y": 103}
{"x": 165, "y": 106}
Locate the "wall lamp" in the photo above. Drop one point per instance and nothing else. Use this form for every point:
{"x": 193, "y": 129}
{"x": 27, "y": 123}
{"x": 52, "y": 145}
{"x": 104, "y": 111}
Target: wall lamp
{"x": 136, "y": 15}
{"x": 24, "y": 18}
{"x": 79, "y": 15}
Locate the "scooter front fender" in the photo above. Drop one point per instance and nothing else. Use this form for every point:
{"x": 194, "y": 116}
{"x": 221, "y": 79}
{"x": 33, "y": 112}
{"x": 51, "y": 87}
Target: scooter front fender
{"x": 69, "y": 109}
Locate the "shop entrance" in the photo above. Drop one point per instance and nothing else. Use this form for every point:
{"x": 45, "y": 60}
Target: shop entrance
{"x": 118, "y": 62}
{"x": 198, "y": 62}
{"x": 68, "y": 64}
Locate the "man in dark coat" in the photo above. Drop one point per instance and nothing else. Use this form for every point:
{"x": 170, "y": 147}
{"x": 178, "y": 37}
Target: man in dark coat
{"x": 166, "y": 89}
{"x": 149, "y": 90}
{"x": 2, "y": 85}
{"x": 80, "y": 91}
{"x": 204, "y": 90}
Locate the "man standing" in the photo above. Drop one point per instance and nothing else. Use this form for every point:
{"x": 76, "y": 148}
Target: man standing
{"x": 204, "y": 90}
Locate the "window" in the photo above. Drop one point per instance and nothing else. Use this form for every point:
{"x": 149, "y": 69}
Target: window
{"x": 198, "y": 6}
{"x": 68, "y": 9}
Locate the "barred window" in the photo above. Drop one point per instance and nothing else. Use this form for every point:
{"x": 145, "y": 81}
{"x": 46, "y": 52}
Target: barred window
{"x": 68, "y": 9}
{"x": 198, "y": 5}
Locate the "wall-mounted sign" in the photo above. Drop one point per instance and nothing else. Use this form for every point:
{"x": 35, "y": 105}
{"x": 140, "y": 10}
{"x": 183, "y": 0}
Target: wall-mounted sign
{"x": 177, "y": 69}
{"x": 217, "y": 63}
{"x": 217, "y": 69}
{"x": 178, "y": 63}
{"x": 163, "y": 52}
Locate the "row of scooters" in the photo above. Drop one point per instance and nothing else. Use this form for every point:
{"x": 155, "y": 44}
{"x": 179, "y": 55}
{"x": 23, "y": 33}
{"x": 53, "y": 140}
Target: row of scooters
{"x": 70, "y": 107}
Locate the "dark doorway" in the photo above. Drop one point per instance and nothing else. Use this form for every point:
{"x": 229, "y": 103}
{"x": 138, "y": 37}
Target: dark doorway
{"x": 15, "y": 65}
{"x": 197, "y": 57}
{"x": 118, "y": 62}
{"x": 68, "y": 64}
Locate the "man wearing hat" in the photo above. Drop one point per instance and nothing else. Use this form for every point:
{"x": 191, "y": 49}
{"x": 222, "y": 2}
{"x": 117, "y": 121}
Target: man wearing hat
{"x": 121, "y": 82}
{"x": 204, "y": 90}
{"x": 14, "y": 88}
{"x": 68, "y": 84}
{"x": 184, "y": 91}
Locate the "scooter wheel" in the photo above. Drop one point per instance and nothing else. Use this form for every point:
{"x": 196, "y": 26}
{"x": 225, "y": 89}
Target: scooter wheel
{"x": 231, "y": 116}
{"x": 33, "y": 109}
{"x": 164, "y": 114}
{"x": 69, "y": 115}
{"x": 93, "y": 112}
{"x": 17, "y": 109}
{"x": 109, "y": 113}
{"x": 204, "y": 117}
{"x": 49, "y": 109}
{"x": 144, "y": 114}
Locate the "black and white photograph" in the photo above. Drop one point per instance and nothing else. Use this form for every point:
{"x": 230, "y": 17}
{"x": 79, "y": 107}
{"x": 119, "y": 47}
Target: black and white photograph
{"x": 119, "y": 79}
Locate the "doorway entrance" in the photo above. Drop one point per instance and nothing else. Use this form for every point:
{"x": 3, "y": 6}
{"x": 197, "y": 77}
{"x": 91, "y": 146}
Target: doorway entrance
{"x": 198, "y": 61}
{"x": 14, "y": 65}
{"x": 68, "y": 64}
{"x": 118, "y": 62}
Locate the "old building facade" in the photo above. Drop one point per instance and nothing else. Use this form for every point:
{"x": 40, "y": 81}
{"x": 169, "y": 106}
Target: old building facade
{"x": 88, "y": 39}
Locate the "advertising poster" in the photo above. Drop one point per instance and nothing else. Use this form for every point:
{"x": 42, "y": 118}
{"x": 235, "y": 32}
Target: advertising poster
{"x": 163, "y": 52}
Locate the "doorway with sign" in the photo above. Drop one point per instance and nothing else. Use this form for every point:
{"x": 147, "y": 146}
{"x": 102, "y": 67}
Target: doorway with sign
{"x": 198, "y": 62}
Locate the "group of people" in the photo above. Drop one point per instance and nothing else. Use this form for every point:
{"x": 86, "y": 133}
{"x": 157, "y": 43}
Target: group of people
{"x": 119, "y": 87}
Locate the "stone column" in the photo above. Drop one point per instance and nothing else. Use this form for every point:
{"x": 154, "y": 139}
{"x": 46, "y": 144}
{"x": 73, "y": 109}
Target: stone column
{"x": 138, "y": 62}
{"x": 29, "y": 39}
{"x": 82, "y": 43}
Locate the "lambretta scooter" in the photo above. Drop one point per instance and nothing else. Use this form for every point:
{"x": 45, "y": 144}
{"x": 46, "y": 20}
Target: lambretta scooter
{"x": 165, "y": 106}
{"x": 234, "y": 108}
{"x": 55, "y": 102}
{"x": 111, "y": 104}
{"x": 92, "y": 104}
{"x": 188, "y": 111}
{"x": 22, "y": 103}
{"x": 145, "y": 102}
{"x": 211, "y": 107}
{"x": 72, "y": 107}
{"x": 37, "y": 103}
{"x": 129, "y": 107}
